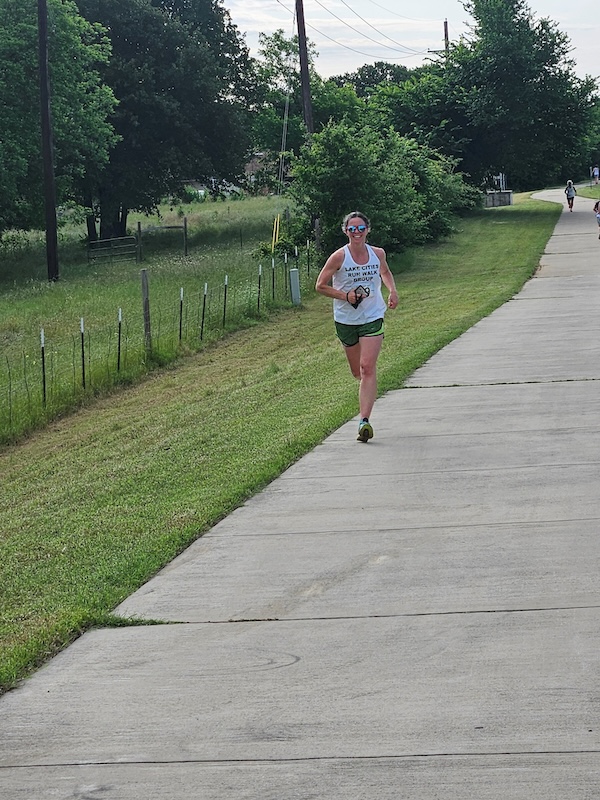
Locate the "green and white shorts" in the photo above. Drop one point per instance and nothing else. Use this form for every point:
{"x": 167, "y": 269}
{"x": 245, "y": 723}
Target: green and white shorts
{"x": 350, "y": 334}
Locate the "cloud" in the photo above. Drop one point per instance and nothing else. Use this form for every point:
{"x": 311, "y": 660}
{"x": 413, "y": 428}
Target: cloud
{"x": 426, "y": 34}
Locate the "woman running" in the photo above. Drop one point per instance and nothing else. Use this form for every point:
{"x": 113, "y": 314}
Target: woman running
{"x": 352, "y": 276}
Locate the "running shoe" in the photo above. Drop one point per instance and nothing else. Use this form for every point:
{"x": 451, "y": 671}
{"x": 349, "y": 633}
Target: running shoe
{"x": 365, "y": 431}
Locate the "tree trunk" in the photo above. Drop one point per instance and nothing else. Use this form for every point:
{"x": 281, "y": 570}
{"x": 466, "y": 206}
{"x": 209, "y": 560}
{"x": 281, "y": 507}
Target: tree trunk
{"x": 113, "y": 220}
{"x": 110, "y": 220}
{"x": 123, "y": 221}
{"x": 92, "y": 233}
{"x": 90, "y": 217}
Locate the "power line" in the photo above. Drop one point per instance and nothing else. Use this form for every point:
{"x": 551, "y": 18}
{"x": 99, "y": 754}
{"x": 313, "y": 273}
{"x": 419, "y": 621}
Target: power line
{"x": 403, "y": 46}
{"x": 401, "y": 16}
{"x": 364, "y": 35}
{"x": 351, "y": 49}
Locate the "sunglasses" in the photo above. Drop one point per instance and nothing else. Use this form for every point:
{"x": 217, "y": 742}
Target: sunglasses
{"x": 354, "y": 228}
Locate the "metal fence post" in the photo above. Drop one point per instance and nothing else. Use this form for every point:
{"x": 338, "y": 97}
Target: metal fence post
{"x": 43, "y": 367}
{"x": 146, "y": 309}
{"x": 82, "y": 353}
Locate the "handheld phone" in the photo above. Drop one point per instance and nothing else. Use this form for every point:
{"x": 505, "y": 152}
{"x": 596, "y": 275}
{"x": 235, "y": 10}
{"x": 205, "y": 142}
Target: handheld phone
{"x": 361, "y": 292}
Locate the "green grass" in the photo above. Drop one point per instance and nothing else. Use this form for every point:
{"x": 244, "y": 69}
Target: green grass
{"x": 589, "y": 191}
{"x": 231, "y": 224}
{"x": 224, "y": 241}
{"x": 96, "y": 290}
{"x": 94, "y": 505}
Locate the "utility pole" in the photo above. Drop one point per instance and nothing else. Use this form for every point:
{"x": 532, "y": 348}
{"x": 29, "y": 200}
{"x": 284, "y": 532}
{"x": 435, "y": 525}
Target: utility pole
{"x": 306, "y": 98}
{"x": 47, "y": 154}
{"x": 446, "y": 50}
{"x": 304, "y": 76}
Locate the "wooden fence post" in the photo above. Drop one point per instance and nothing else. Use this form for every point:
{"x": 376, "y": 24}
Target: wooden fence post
{"x": 139, "y": 241}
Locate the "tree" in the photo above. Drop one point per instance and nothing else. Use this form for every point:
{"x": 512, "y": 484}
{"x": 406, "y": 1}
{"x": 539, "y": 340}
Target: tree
{"x": 592, "y": 138}
{"x": 427, "y": 108}
{"x": 80, "y": 106}
{"x": 335, "y": 103}
{"x": 210, "y": 24}
{"x": 409, "y": 192}
{"x": 504, "y": 99}
{"x": 174, "y": 71}
{"x": 278, "y": 123}
{"x": 368, "y": 77}
{"x": 277, "y": 120}
{"x": 528, "y": 108}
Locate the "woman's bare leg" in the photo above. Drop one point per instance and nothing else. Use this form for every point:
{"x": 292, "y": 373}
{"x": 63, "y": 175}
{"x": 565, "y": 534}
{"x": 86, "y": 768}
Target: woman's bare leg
{"x": 362, "y": 360}
{"x": 370, "y": 347}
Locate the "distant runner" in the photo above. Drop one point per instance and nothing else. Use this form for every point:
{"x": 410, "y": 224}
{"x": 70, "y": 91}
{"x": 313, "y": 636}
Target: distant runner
{"x": 570, "y": 191}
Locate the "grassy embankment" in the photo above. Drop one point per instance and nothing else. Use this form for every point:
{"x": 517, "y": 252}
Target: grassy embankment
{"x": 223, "y": 241}
{"x": 94, "y": 505}
{"x": 589, "y": 191}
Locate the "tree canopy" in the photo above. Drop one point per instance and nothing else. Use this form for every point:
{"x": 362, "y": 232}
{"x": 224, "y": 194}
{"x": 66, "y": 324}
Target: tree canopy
{"x": 80, "y": 105}
{"x": 367, "y": 78}
{"x": 174, "y": 70}
{"x": 278, "y": 127}
{"x": 147, "y": 94}
{"x": 528, "y": 108}
{"x": 505, "y": 99}
{"x": 410, "y": 193}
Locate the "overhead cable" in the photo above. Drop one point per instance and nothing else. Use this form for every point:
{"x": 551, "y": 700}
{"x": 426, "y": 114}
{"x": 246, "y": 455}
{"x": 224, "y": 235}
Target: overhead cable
{"x": 389, "y": 38}
{"x": 352, "y": 49}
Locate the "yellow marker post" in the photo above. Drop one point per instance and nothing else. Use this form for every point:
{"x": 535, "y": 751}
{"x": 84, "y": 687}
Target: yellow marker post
{"x": 275, "y": 233}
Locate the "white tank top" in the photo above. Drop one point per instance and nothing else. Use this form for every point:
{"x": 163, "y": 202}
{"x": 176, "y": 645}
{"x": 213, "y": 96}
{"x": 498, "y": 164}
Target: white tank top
{"x": 351, "y": 276}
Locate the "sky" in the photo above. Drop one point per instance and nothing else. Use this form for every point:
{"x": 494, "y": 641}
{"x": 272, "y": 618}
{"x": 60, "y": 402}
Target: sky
{"x": 350, "y": 33}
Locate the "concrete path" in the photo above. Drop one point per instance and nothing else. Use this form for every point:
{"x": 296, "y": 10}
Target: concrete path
{"x": 416, "y": 618}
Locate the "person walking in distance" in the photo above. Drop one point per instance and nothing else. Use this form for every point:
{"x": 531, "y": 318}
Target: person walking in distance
{"x": 570, "y": 191}
{"x": 596, "y": 173}
{"x": 352, "y": 276}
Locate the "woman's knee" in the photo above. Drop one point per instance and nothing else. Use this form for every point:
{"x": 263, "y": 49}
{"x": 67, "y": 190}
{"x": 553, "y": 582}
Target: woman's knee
{"x": 367, "y": 368}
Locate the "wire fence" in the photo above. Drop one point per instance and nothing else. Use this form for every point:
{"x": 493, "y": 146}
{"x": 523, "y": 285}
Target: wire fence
{"x": 58, "y": 375}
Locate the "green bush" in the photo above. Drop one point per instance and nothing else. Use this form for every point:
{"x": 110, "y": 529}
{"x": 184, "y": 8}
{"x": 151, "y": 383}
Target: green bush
{"x": 410, "y": 193}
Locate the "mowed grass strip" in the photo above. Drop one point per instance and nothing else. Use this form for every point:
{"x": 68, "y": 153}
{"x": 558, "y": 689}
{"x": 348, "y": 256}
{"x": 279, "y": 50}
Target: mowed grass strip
{"x": 593, "y": 192}
{"x": 93, "y": 506}
{"x": 224, "y": 241}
